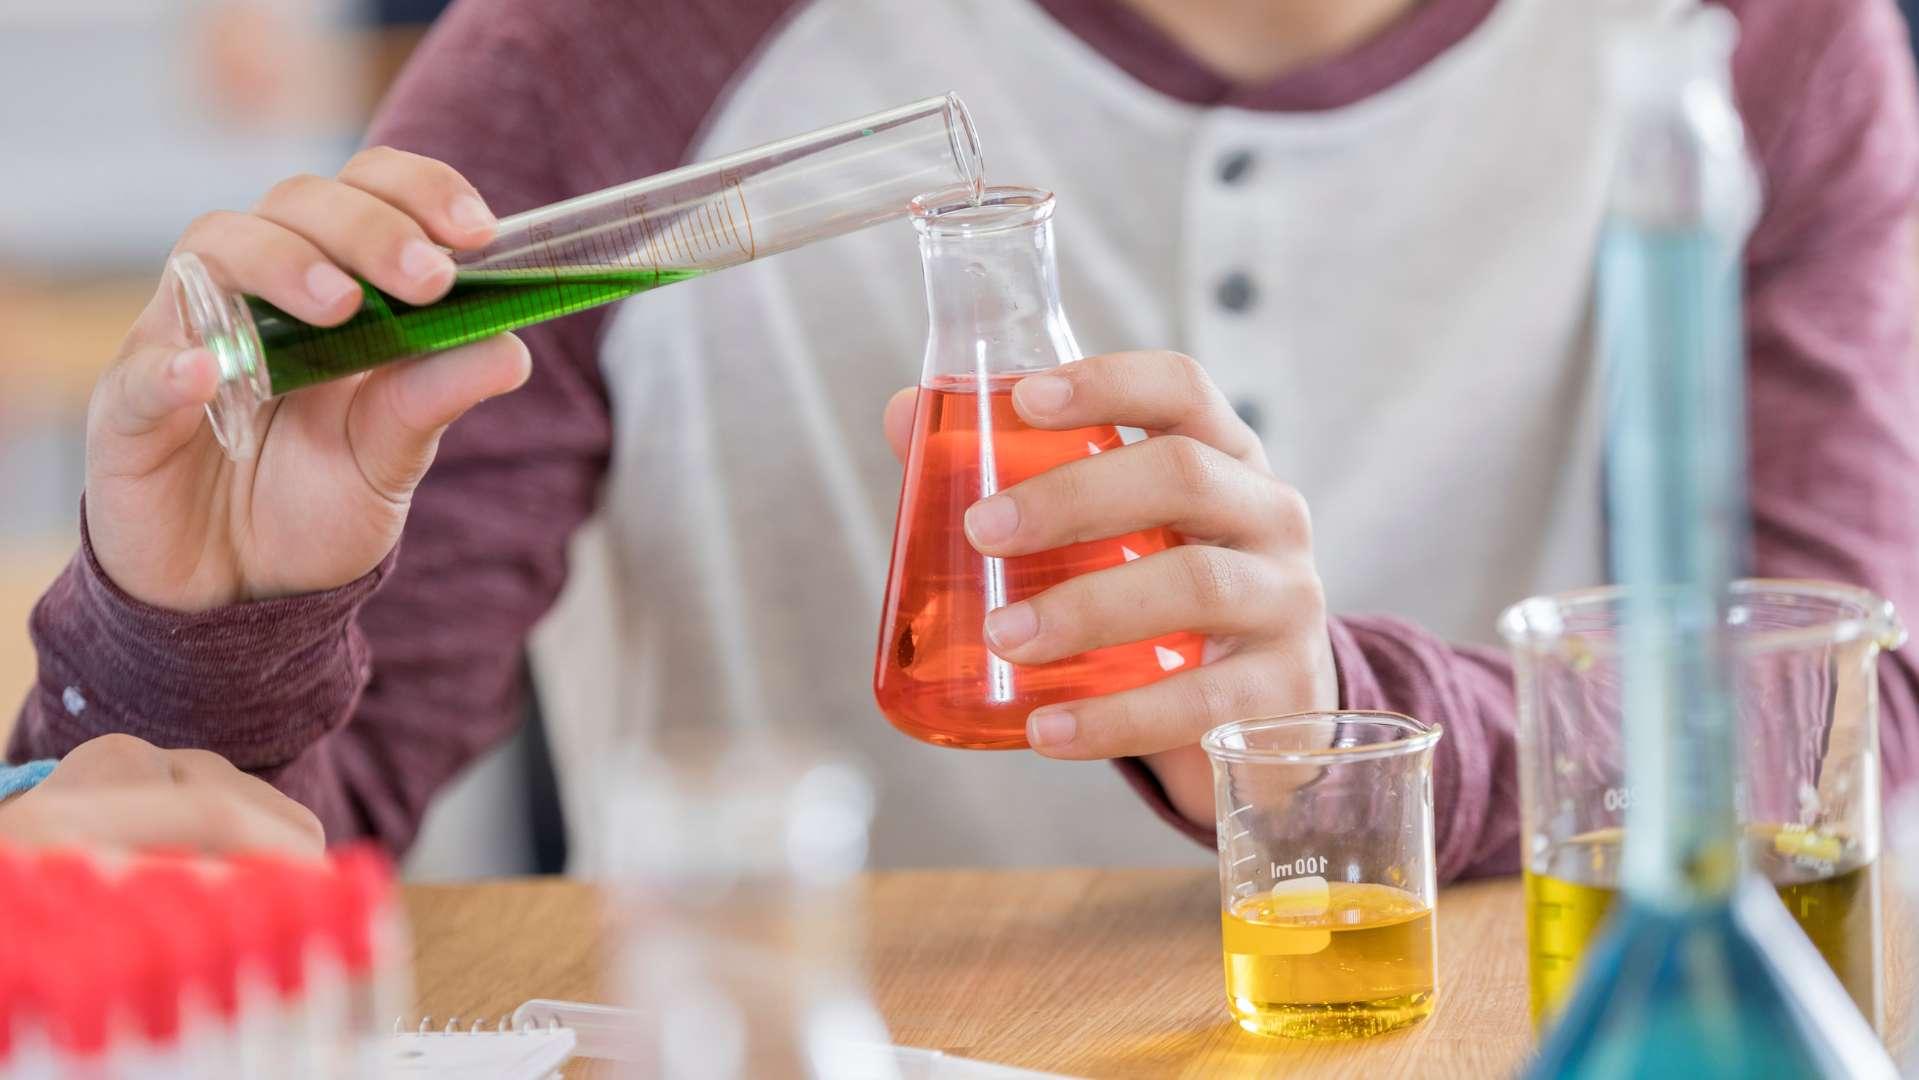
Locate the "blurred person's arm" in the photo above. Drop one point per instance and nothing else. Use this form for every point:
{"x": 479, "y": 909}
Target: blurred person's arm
{"x": 362, "y": 701}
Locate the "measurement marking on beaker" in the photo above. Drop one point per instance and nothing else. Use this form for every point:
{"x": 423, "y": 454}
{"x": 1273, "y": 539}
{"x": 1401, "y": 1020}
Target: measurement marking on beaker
{"x": 1244, "y": 859}
{"x": 677, "y": 230}
{"x": 652, "y": 247}
{"x": 746, "y": 213}
{"x": 634, "y": 253}
{"x": 1241, "y": 810}
{"x": 703, "y": 226}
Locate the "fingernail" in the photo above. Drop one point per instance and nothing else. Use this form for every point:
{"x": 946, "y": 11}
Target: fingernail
{"x": 1051, "y": 727}
{"x": 422, "y": 261}
{"x": 992, "y": 521}
{"x": 328, "y": 286}
{"x": 470, "y": 213}
{"x": 1042, "y": 395}
{"x": 1011, "y": 626}
{"x": 181, "y": 366}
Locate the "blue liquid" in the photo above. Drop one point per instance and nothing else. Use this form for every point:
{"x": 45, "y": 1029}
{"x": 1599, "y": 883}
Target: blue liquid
{"x": 1693, "y": 993}
{"x": 1695, "y": 976}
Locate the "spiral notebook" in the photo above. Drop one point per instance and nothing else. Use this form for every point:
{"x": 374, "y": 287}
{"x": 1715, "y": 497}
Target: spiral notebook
{"x": 543, "y": 1035}
{"x": 505, "y": 1054}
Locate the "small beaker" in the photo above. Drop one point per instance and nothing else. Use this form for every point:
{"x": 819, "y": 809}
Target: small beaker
{"x": 1326, "y": 871}
{"x": 1805, "y": 684}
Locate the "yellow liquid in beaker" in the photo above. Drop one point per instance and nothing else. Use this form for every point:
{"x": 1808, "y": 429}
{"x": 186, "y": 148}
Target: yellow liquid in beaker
{"x": 1830, "y": 892}
{"x": 1357, "y": 961}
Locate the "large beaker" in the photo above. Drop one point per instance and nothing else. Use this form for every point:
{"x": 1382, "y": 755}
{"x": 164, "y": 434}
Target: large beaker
{"x": 1805, "y": 687}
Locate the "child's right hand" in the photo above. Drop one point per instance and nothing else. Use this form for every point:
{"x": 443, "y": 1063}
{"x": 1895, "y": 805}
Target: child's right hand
{"x": 175, "y": 523}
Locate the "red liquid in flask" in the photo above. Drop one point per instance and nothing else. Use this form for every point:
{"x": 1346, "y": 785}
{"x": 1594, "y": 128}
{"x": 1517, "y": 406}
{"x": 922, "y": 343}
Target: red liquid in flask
{"x": 935, "y": 679}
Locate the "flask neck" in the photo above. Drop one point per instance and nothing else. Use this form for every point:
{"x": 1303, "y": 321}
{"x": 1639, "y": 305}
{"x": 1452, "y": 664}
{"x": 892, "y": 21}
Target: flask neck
{"x": 992, "y": 284}
{"x": 1669, "y": 302}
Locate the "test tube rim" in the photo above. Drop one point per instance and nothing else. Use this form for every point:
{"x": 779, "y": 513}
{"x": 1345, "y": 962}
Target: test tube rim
{"x": 1417, "y": 738}
{"x": 966, "y": 146}
{"x": 1537, "y": 623}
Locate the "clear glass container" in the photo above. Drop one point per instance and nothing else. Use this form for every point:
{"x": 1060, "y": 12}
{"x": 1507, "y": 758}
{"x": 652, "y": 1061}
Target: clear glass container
{"x": 731, "y": 862}
{"x": 992, "y": 298}
{"x": 1325, "y": 825}
{"x": 1699, "y": 971}
{"x": 1805, "y": 685}
{"x": 586, "y": 251}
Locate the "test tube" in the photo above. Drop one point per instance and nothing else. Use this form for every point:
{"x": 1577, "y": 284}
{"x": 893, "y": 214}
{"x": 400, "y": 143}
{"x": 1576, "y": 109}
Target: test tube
{"x": 588, "y": 251}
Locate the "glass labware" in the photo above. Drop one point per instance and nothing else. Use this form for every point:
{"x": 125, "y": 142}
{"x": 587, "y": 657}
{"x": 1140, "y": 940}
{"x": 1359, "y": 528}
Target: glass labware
{"x": 992, "y": 293}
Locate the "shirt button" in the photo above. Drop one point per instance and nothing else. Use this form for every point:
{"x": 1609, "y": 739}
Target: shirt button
{"x": 1235, "y": 291}
{"x": 1234, "y": 166}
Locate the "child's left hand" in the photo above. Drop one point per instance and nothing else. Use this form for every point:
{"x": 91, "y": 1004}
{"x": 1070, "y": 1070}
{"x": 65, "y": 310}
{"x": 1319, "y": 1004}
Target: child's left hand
{"x": 1244, "y": 577}
{"x": 116, "y": 792}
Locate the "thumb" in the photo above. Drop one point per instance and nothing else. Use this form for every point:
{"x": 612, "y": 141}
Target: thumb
{"x": 398, "y": 414}
{"x": 898, "y": 421}
{"x": 150, "y": 401}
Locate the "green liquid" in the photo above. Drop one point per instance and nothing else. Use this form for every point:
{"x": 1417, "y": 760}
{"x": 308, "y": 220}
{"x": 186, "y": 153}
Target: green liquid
{"x": 480, "y": 305}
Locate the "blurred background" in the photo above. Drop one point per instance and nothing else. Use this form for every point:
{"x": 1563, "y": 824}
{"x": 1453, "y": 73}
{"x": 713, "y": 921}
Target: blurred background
{"x": 125, "y": 119}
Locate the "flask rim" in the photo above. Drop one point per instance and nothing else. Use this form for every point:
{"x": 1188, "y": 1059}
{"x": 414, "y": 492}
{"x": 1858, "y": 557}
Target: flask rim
{"x": 964, "y": 212}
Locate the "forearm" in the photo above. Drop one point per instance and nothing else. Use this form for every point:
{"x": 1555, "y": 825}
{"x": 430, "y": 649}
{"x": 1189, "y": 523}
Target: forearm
{"x": 258, "y": 683}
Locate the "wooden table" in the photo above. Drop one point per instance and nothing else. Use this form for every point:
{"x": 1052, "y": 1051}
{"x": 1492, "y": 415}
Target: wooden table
{"x": 1096, "y": 973}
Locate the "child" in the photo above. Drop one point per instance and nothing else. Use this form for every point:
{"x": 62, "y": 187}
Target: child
{"x": 1373, "y": 222}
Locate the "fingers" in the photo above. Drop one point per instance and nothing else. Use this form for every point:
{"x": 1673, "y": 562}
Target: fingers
{"x": 363, "y": 233}
{"x": 209, "y": 770}
{"x": 396, "y": 418}
{"x": 153, "y": 816}
{"x": 1176, "y": 711}
{"x": 154, "y": 388}
{"x": 114, "y": 758}
{"x": 275, "y": 263}
{"x": 1172, "y": 480}
{"x": 898, "y": 420}
{"x": 431, "y": 192}
{"x": 1159, "y": 391}
{"x": 120, "y": 791}
{"x": 1206, "y": 590}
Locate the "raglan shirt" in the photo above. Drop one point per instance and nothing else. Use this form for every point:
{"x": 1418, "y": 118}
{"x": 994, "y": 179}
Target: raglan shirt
{"x": 363, "y": 701}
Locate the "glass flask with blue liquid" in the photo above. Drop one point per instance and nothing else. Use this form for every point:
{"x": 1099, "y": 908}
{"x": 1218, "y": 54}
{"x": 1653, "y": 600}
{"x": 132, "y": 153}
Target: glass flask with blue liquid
{"x": 1701, "y": 972}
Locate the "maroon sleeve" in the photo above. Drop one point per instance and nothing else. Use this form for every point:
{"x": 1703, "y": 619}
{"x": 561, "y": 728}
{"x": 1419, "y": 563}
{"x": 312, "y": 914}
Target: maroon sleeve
{"x": 361, "y": 703}
{"x": 109, "y": 662}
{"x": 1826, "y": 88}
{"x": 1835, "y": 390}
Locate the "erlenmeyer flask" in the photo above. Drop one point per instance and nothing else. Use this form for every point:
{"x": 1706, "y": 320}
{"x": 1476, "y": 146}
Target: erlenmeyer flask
{"x": 992, "y": 294}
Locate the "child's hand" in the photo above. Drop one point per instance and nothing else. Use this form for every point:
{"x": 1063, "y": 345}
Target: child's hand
{"x": 117, "y": 791}
{"x": 176, "y": 524}
{"x": 1244, "y": 578}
